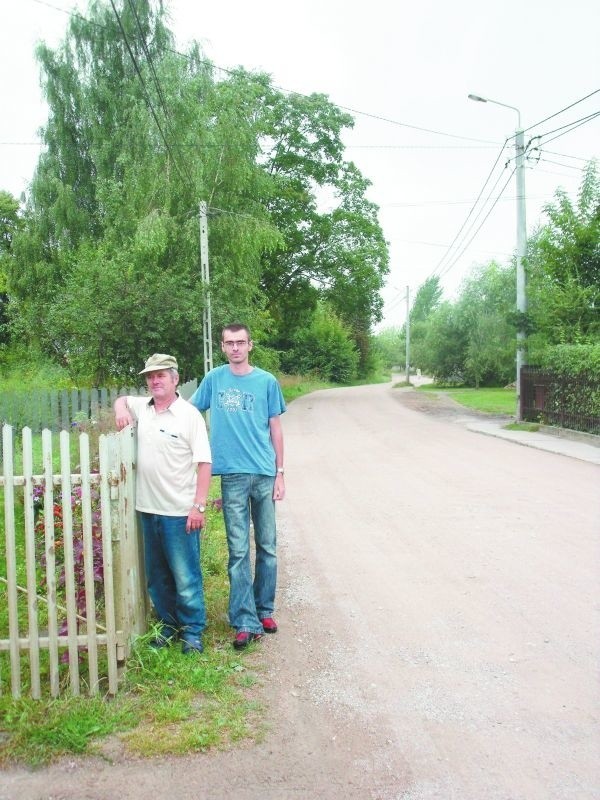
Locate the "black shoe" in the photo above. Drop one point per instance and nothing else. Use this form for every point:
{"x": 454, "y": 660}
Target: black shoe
{"x": 243, "y": 639}
{"x": 189, "y": 646}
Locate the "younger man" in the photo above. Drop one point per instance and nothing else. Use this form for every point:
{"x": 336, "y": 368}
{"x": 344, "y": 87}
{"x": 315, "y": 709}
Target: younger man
{"x": 246, "y": 439}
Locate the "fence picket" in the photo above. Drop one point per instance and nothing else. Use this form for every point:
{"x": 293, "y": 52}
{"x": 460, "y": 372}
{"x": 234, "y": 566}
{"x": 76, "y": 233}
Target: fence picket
{"x": 11, "y": 560}
{"x": 30, "y": 564}
{"x": 88, "y": 561}
{"x": 50, "y": 553}
{"x": 67, "y": 520}
{"x": 107, "y": 558}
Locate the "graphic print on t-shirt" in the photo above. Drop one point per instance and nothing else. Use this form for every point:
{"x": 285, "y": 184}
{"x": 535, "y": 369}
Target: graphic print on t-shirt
{"x": 234, "y": 400}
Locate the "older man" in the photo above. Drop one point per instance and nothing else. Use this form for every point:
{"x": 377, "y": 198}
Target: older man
{"x": 173, "y": 477}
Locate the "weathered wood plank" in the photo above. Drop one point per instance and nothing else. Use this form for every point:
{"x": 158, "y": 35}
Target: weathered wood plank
{"x": 70, "y": 590}
{"x": 50, "y": 551}
{"x": 11, "y": 560}
{"x": 30, "y": 565}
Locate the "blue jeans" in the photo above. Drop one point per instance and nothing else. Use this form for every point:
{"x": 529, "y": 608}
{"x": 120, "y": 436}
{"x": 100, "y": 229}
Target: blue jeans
{"x": 250, "y": 600}
{"x": 172, "y": 559}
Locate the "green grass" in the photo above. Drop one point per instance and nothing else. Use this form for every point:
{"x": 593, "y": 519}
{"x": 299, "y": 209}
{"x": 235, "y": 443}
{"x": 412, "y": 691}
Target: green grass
{"x": 489, "y": 400}
{"x": 531, "y": 427}
{"x": 294, "y": 386}
{"x": 167, "y": 703}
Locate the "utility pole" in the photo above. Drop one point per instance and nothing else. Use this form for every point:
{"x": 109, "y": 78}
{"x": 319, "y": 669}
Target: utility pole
{"x": 521, "y": 359}
{"x": 521, "y": 254}
{"x": 407, "y": 334}
{"x": 205, "y": 275}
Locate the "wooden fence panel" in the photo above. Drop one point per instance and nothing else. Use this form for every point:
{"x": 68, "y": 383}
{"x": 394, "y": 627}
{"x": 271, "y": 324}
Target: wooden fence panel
{"x": 93, "y": 526}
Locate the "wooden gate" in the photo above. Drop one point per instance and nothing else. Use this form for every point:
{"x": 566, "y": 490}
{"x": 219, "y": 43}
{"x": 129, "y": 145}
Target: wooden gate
{"x": 72, "y": 583}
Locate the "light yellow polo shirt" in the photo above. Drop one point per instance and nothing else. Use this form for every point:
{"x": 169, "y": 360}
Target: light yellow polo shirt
{"x": 169, "y": 445}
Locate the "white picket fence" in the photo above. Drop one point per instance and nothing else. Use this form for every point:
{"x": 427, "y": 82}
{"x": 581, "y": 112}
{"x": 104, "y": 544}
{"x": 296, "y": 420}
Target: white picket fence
{"x": 76, "y": 548}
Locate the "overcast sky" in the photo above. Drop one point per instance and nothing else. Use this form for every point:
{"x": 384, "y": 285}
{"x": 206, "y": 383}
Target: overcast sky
{"x": 405, "y": 70}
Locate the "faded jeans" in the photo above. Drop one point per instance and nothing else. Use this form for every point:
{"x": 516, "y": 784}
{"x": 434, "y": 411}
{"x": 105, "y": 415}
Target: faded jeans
{"x": 250, "y": 599}
{"x": 172, "y": 559}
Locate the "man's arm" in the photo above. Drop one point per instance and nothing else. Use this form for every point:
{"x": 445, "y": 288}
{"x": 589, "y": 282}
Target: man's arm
{"x": 276, "y": 434}
{"x": 196, "y": 518}
{"x": 123, "y": 416}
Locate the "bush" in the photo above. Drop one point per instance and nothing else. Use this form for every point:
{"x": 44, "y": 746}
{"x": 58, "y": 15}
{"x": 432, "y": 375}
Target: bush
{"x": 325, "y": 350}
{"x": 573, "y": 359}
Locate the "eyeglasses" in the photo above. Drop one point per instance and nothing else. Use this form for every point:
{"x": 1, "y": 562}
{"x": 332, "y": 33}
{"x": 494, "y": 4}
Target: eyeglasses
{"x": 237, "y": 343}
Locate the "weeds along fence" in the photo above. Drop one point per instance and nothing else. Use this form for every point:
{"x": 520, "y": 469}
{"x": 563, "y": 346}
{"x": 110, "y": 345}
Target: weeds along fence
{"x": 58, "y": 410}
{"x": 72, "y": 584}
{"x": 566, "y": 401}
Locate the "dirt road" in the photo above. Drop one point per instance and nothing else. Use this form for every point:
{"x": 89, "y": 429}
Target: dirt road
{"x": 439, "y": 613}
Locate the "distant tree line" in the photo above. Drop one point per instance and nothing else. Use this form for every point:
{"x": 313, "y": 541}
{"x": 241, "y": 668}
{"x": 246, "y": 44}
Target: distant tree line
{"x": 472, "y": 340}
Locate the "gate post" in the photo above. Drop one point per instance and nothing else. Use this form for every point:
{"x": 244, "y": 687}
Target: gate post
{"x": 131, "y": 603}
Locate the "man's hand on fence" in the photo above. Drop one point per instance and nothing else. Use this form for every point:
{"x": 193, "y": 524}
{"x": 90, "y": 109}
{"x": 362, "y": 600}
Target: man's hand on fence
{"x": 123, "y": 416}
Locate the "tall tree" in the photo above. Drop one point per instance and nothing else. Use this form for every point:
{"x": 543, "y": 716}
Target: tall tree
{"x": 107, "y": 264}
{"x": 564, "y": 268}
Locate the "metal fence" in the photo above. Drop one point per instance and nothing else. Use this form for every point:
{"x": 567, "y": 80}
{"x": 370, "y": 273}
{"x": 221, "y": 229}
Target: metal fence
{"x": 566, "y": 401}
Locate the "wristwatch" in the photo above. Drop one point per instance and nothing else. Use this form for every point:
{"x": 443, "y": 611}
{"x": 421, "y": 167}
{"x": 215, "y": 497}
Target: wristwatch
{"x": 280, "y": 470}
{"x": 199, "y": 507}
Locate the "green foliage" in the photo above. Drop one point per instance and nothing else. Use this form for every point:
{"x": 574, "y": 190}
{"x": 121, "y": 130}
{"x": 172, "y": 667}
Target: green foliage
{"x": 582, "y": 359}
{"x": 444, "y": 346}
{"x": 564, "y": 269}
{"x": 427, "y": 300}
{"x": 106, "y": 265}
{"x": 325, "y": 350}
{"x": 390, "y": 346}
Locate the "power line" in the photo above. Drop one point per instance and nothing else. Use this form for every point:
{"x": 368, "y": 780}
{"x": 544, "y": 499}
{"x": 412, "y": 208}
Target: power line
{"x": 568, "y": 125}
{"x": 571, "y": 127}
{"x": 157, "y": 83}
{"x": 145, "y": 91}
{"x": 288, "y": 91}
{"x": 558, "y": 164}
{"x": 566, "y": 108}
{"x": 446, "y": 254}
{"x": 564, "y": 155}
{"x": 417, "y": 147}
{"x": 447, "y": 269}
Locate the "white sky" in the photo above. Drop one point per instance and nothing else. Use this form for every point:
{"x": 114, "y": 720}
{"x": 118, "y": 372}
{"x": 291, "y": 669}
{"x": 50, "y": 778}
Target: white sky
{"x": 412, "y": 63}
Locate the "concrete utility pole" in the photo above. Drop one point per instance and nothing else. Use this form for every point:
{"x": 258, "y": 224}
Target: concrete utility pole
{"x": 408, "y": 334}
{"x": 521, "y": 254}
{"x": 521, "y": 359}
{"x": 206, "y": 312}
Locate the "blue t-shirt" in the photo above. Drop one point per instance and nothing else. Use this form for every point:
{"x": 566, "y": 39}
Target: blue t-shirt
{"x": 240, "y": 409}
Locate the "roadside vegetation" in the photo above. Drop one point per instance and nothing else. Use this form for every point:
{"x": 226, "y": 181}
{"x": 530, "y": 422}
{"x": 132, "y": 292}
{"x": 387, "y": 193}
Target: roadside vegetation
{"x": 491, "y": 400}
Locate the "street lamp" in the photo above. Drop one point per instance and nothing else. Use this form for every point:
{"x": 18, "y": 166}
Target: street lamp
{"x": 521, "y": 242}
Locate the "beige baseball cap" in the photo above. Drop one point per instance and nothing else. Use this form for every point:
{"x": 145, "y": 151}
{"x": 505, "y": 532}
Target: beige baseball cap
{"x": 159, "y": 361}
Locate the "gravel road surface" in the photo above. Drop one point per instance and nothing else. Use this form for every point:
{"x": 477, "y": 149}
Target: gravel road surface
{"x": 439, "y": 623}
